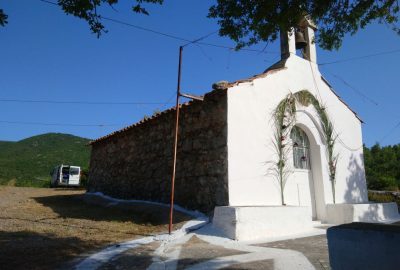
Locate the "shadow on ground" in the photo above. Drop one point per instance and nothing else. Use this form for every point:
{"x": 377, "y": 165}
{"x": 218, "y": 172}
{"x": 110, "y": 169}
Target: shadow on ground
{"x": 79, "y": 207}
{"x": 30, "y": 250}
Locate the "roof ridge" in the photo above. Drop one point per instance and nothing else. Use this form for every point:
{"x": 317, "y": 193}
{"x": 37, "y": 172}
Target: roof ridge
{"x": 277, "y": 66}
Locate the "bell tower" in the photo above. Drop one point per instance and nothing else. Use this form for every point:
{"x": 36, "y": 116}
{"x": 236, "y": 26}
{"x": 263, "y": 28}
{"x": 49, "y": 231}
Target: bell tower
{"x": 300, "y": 38}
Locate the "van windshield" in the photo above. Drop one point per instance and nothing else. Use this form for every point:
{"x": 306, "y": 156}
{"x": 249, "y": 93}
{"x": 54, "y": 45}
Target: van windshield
{"x": 74, "y": 171}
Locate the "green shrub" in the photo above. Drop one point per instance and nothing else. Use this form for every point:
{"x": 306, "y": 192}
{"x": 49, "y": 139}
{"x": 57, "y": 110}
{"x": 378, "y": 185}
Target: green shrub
{"x": 384, "y": 197}
{"x": 383, "y": 182}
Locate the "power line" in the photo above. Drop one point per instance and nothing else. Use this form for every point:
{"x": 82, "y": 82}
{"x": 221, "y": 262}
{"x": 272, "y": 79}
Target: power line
{"x": 80, "y": 102}
{"x": 200, "y": 38}
{"x": 133, "y": 25}
{"x": 334, "y": 130}
{"x": 354, "y": 89}
{"x": 373, "y": 102}
{"x": 315, "y": 82}
{"x": 172, "y": 36}
{"x": 359, "y": 57}
{"x": 56, "y": 124}
{"x": 224, "y": 46}
{"x": 390, "y": 132}
{"x": 168, "y": 101}
{"x": 145, "y": 29}
{"x": 184, "y": 39}
{"x": 49, "y": 2}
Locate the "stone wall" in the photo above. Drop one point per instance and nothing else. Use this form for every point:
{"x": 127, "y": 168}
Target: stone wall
{"x": 137, "y": 163}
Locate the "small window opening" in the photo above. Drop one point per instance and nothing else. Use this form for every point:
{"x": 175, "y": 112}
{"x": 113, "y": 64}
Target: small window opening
{"x": 301, "y": 149}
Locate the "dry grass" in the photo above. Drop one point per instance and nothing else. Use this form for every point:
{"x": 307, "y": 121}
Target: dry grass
{"x": 46, "y": 228}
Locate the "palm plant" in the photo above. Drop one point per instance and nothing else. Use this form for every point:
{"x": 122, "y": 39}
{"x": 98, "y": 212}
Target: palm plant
{"x": 285, "y": 118}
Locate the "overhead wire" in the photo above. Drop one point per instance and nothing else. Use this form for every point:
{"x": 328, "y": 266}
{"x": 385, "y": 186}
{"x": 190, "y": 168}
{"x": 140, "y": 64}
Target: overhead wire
{"x": 188, "y": 42}
{"x": 315, "y": 82}
{"x": 145, "y": 29}
{"x": 360, "y": 93}
{"x": 57, "y": 124}
{"x": 80, "y": 102}
{"x": 172, "y": 36}
{"x": 390, "y": 132}
{"x": 334, "y": 130}
{"x": 176, "y": 37}
{"x": 371, "y": 101}
{"x": 360, "y": 57}
{"x": 198, "y": 41}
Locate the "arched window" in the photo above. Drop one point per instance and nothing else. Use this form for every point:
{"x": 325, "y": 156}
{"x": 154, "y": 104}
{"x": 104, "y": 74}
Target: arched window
{"x": 301, "y": 149}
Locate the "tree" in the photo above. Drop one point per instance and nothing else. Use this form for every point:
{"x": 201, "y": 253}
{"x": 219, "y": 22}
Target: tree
{"x": 382, "y": 167}
{"x": 249, "y": 22}
{"x": 88, "y": 11}
{"x": 3, "y": 18}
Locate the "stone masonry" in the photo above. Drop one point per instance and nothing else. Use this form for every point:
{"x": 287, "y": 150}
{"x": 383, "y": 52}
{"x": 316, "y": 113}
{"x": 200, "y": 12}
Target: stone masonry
{"x": 136, "y": 163}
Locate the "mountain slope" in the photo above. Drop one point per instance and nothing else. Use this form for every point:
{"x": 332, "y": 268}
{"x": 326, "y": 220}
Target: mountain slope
{"x": 28, "y": 162}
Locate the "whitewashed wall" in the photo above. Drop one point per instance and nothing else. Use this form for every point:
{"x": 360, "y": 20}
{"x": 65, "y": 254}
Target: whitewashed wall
{"x": 250, "y": 135}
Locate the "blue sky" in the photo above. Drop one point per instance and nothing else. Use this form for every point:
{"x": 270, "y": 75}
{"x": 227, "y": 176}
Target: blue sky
{"x": 46, "y": 55}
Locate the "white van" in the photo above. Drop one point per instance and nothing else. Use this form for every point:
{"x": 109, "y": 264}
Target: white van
{"x": 65, "y": 175}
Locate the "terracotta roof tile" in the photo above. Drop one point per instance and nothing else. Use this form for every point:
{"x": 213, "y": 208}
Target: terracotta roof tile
{"x": 264, "y": 74}
{"x": 142, "y": 121}
{"x": 274, "y": 68}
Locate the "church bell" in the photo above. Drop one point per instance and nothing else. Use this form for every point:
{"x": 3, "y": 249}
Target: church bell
{"x": 301, "y": 43}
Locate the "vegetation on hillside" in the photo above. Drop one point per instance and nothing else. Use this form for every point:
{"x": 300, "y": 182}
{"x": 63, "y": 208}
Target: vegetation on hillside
{"x": 382, "y": 167}
{"x": 29, "y": 162}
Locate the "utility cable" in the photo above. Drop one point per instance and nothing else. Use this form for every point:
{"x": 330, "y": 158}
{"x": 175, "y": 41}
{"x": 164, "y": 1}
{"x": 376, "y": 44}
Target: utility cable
{"x": 145, "y": 29}
{"x": 370, "y": 100}
{"x": 360, "y": 57}
{"x": 57, "y": 124}
{"x": 80, "y": 102}
{"x": 334, "y": 130}
{"x": 390, "y": 132}
{"x": 185, "y": 39}
{"x": 173, "y": 36}
{"x": 315, "y": 82}
{"x": 364, "y": 96}
{"x": 228, "y": 47}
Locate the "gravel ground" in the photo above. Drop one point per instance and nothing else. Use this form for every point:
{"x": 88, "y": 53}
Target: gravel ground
{"x": 315, "y": 248}
{"x": 49, "y": 228}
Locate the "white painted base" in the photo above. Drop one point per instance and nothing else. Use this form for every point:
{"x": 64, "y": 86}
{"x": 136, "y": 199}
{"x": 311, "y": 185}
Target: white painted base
{"x": 246, "y": 223}
{"x": 363, "y": 212}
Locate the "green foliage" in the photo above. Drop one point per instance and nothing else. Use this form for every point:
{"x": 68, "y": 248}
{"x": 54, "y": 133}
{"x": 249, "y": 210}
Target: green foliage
{"x": 3, "y": 18}
{"x": 88, "y": 11}
{"x": 306, "y": 98}
{"x": 29, "y": 162}
{"x": 251, "y": 21}
{"x": 383, "y": 197}
{"x": 285, "y": 117}
{"x": 382, "y": 167}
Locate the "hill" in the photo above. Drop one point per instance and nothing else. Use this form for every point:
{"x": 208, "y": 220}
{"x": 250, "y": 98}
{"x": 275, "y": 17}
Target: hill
{"x": 28, "y": 162}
